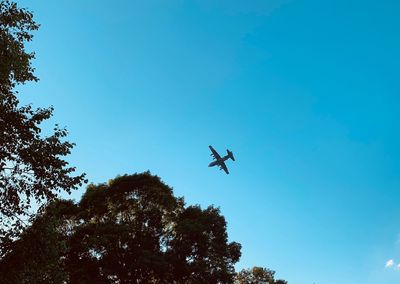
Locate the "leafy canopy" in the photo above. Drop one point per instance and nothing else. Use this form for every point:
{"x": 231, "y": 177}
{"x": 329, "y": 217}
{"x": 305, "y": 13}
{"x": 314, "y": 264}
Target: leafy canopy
{"x": 257, "y": 275}
{"x": 130, "y": 230}
{"x": 32, "y": 165}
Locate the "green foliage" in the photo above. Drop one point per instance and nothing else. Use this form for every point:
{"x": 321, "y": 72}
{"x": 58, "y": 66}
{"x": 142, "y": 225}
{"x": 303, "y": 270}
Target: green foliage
{"x": 16, "y": 26}
{"x": 131, "y": 230}
{"x": 200, "y": 247}
{"x": 32, "y": 167}
{"x": 126, "y": 228}
{"x": 37, "y": 256}
{"x": 257, "y": 275}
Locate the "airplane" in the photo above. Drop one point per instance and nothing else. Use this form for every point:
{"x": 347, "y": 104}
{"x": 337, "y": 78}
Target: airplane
{"x": 220, "y": 161}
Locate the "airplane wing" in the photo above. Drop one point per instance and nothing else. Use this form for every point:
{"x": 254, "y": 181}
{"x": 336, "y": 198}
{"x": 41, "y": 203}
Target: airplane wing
{"x": 223, "y": 167}
{"x": 214, "y": 153}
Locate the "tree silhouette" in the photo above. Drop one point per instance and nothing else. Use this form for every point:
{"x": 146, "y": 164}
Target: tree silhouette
{"x": 126, "y": 229}
{"x": 38, "y": 255}
{"x": 32, "y": 168}
{"x": 257, "y": 275}
{"x": 130, "y": 230}
{"x": 200, "y": 250}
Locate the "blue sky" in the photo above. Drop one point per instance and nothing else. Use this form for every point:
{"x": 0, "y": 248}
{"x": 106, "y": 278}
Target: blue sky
{"x": 305, "y": 93}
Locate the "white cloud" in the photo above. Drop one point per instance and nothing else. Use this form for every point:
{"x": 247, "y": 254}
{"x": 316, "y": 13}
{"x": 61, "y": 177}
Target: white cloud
{"x": 389, "y": 263}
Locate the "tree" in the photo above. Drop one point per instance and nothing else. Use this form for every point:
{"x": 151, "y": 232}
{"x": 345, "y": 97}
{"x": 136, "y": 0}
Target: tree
{"x": 130, "y": 230}
{"x": 32, "y": 165}
{"x": 134, "y": 229}
{"x": 257, "y": 275}
{"x": 16, "y": 27}
{"x": 200, "y": 250}
{"x": 126, "y": 229}
{"x": 37, "y": 256}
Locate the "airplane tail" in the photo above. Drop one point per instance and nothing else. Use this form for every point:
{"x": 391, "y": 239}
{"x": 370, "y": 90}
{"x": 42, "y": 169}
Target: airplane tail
{"x": 230, "y": 155}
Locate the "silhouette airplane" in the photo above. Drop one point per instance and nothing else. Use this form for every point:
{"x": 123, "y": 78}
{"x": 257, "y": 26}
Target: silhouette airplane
{"x": 220, "y": 161}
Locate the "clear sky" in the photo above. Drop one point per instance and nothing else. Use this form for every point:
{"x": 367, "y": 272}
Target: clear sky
{"x": 304, "y": 92}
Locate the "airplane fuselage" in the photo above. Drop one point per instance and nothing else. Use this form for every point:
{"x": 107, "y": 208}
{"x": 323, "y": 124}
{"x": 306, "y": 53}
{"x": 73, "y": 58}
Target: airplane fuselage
{"x": 219, "y": 161}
